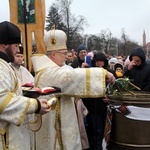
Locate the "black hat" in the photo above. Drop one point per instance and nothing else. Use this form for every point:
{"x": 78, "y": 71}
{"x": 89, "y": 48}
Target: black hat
{"x": 118, "y": 65}
{"x": 81, "y": 47}
{"x": 9, "y": 33}
{"x": 100, "y": 56}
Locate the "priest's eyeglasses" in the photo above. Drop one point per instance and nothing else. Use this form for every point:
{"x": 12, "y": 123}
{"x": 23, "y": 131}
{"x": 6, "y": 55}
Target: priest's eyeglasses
{"x": 64, "y": 53}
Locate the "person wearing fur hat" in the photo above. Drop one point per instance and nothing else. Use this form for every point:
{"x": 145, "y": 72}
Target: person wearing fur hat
{"x": 60, "y": 127}
{"x": 138, "y": 69}
{"x": 14, "y": 131}
{"x": 100, "y": 60}
{"x": 79, "y": 62}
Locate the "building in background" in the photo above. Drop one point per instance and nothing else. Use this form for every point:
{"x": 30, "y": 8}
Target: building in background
{"x": 146, "y": 45}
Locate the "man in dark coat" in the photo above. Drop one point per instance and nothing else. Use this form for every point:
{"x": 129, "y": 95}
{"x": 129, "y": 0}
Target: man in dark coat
{"x": 138, "y": 69}
{"x": 79, "y": 62}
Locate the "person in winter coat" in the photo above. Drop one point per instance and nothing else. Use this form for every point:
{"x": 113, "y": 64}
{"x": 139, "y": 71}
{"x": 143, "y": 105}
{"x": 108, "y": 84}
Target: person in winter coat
{"x": 118, "y": 70}
{"x": 79, "y": 62}
{"x": 97, "y": 108}
{"x": 100, "y": 60}
{"x": 138, "y": 70}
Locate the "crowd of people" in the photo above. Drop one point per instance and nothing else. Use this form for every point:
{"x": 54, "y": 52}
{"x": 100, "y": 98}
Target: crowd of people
{"x": 77, "y": 120}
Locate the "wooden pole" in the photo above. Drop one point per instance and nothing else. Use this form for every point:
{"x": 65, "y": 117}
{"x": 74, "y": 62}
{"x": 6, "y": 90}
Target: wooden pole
{"x": 26, "y": 33}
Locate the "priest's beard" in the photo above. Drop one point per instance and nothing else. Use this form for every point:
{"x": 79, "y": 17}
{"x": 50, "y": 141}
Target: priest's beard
{"x": 9, "y": 53}
{"x": 61, "y": 61}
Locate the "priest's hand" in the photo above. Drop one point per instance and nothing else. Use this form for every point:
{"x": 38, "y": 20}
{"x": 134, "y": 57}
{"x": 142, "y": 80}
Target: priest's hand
{"x": 110, "y": 78}
{"x": 44, "y": 107}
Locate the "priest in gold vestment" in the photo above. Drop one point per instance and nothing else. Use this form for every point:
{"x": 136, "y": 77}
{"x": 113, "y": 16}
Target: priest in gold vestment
{"x": 14, "y": 131}
{"x": 59, "y": 129}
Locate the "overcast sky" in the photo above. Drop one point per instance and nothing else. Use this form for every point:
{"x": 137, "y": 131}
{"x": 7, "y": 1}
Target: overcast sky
{"x": 112, "y": 15}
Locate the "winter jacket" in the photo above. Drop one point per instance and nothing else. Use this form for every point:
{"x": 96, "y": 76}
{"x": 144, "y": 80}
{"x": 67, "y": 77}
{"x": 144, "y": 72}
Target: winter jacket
{"x": 139, "y": 75}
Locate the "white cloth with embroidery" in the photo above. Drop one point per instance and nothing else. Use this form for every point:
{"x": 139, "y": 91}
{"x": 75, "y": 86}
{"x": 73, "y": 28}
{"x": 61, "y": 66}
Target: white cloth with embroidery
{"x": 77, "y": 82}
{"x": 13, "y": 109}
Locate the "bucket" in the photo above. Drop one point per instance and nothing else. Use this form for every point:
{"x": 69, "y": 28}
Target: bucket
{"x": 129, "y": 133}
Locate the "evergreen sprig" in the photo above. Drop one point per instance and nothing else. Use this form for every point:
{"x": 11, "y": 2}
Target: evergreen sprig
{"x": 121, "y": 86}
